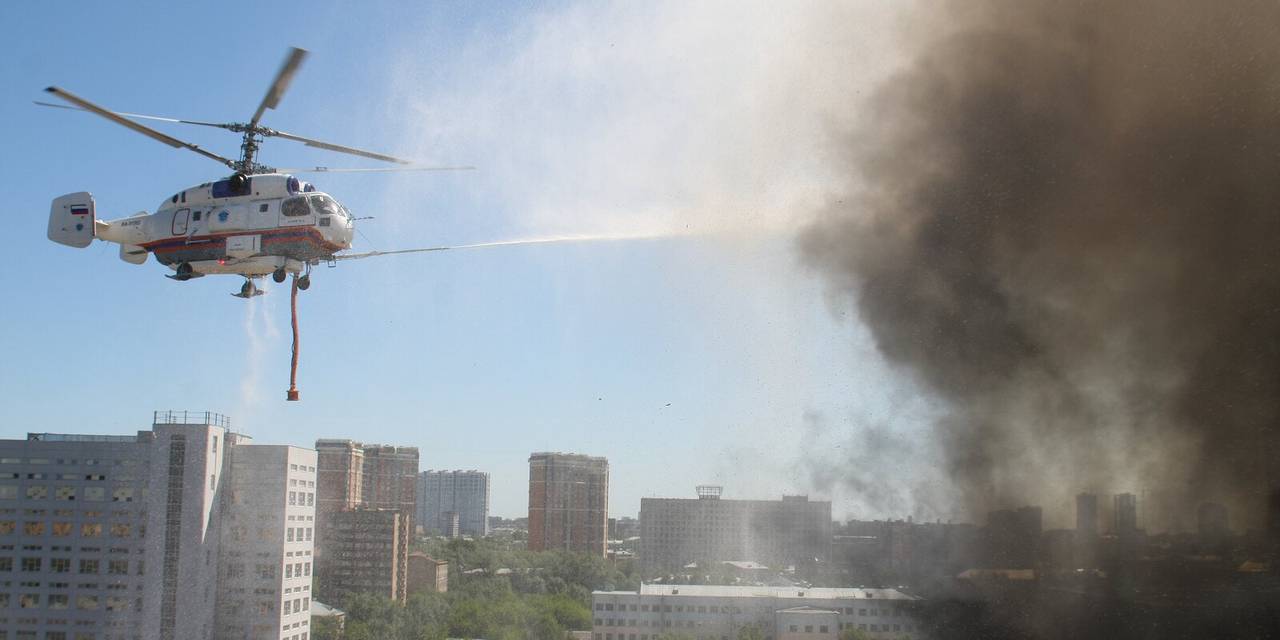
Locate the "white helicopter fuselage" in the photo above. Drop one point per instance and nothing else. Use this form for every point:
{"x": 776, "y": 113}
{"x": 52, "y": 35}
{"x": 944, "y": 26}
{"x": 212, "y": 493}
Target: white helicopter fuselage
{"x": 246, "y": 225}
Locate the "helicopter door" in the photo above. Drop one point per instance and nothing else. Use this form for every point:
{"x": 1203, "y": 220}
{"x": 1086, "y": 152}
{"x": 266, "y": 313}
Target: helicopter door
{"x": 179, "y": 227}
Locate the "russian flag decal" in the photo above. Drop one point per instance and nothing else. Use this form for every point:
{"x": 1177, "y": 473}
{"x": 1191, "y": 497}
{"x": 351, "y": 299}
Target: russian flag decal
{"x": 79, "y": 210}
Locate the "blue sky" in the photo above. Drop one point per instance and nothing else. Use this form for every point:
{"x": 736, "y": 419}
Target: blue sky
{"x": 705, "y": 125}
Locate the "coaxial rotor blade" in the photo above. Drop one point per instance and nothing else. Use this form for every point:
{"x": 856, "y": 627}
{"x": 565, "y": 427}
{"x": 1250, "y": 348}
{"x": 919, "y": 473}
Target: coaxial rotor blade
{"x": 137, "y": 115}
{"x": 386, "y": 170}
{"x": 320, "y": 144}
{"x": 140, "y": 128}
{"x": 280, "y": 84}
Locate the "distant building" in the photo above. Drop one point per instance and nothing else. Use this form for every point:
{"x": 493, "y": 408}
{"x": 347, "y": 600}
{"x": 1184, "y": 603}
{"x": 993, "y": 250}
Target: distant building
{"x": 1087, "y": 514}
{"x": 357, "y": 476}
{"x": 426, "y": 574}
{"x": 76, "y": 511}
{"x": 1012, "y": 538}
{"x": 462, "y": 493}
{"x": 568, "y": 502}
{"x": 361, "y": 555}
{"x": 1126, "y": 515}
{"x": 1214, "y": 527}
{"x": 677, "y": 531}
{"x": 783, "y": 613}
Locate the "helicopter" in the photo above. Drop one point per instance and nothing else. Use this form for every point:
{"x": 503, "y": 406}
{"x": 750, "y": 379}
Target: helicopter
{"x": 258, "y": 221}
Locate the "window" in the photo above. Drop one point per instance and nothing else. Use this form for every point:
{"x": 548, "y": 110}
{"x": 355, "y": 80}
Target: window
{"x": 262, "y": 208}
{"x": 33, "y": 528}
{"x": 29, "y": 600}
{"x": 64, "y": 493}
{"x": 60, "y": 565}
{"x": 8, "y": 491}
{"x": 293, "y": 498}
{"x": 37, "y": 492}
{"x": 121, "y": 530}
{"x": 87, "y": 603}
{"x": 59, "y": 601}
{"x": 30, "y": 565}
{"x": 123, "y": 494}
{"x": 91, "y": 529}
{"x": 324, "y": 205}
{"x": 294, "y": 207}
{"x": 822, "y": 629}
{"x": 61, "y": 529}
{"x": 118, "y": 567}
{"x": 88, "y": 566}
{"x": 95, "y": 494}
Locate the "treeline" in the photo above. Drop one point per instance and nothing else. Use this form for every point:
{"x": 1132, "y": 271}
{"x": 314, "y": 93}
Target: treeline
{"x": 496, "y": 592}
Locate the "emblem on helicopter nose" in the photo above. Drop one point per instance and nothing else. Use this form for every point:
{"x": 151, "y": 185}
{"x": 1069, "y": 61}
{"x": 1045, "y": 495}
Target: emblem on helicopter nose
{"x": 222, "y": 215}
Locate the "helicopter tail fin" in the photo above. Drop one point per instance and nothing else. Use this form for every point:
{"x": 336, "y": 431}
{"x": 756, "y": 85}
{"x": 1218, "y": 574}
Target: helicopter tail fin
{"x": 72, "y": 219}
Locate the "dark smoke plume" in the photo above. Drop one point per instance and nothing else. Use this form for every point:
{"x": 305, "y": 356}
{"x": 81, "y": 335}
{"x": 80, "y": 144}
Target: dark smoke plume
{"x": 1064, "y": 218}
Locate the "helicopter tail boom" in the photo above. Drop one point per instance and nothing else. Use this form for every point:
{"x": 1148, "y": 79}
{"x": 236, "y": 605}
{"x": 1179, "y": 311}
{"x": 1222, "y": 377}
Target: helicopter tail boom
{"x": 72, "y": 220}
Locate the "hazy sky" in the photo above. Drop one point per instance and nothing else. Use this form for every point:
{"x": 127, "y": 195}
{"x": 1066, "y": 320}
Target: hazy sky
{"x": 710, "y": 356}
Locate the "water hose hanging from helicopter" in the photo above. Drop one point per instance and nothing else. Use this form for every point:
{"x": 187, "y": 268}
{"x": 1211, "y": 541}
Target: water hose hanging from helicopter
{"x": 292, "y": 394}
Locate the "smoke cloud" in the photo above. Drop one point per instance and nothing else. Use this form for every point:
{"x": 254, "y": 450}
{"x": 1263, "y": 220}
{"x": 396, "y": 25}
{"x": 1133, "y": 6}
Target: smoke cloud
{"x": 1062, "y": 218}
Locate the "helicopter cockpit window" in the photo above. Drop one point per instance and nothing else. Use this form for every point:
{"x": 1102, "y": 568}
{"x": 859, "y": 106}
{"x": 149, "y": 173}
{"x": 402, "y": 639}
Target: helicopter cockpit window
{"x": 295, "y": 207}
{"x": 324, "y": 205}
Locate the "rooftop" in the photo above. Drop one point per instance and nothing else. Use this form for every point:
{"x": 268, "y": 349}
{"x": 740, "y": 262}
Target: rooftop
{"x": 717, "y": 591}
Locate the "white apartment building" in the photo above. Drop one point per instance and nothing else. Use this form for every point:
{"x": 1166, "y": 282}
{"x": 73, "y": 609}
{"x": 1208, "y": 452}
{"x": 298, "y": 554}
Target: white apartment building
{"x": 265, "y": 567}
{"x": 120, "y": 537}
{"x": 707, "y": 612}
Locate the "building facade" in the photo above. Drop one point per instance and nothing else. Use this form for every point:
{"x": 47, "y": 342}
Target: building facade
{"x": 363, "y": 477}
{"x": 268, "y": 534}
{"x": 568, "y": 503}
{"x": 427, "y": 575}
{"x": 677, "y": 531}
{"x": 362, "y": 555}
{"x": 464, "y": 494}
{"x": 779, "y": 613}
{"x": 121, "y": 537}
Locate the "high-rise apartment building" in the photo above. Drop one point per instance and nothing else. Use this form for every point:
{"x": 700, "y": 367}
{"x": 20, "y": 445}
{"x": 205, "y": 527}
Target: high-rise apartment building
{"x": 677, "y": 531}
{"x": 568, "y": 502}
{"x": 364, "y": 477}
{"x": 1126, "y": 516}
{"x": 124, "y": 537}
{"x": 362, "y": 555}
{"x": 1086, "y": 515}
{"x": 444, "y": 495}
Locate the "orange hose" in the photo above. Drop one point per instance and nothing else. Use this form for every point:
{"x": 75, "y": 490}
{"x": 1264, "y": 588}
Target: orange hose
{"x": 292, "y": 395}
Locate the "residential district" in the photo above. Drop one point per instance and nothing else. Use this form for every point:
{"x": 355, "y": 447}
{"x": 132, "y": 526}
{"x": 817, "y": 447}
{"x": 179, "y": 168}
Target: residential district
{"x": 190, "y": 530}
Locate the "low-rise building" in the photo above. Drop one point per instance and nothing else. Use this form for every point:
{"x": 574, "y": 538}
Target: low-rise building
{"x": 781, "y": 613}
{"x": 426, "y": 574}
